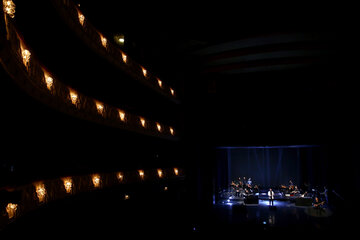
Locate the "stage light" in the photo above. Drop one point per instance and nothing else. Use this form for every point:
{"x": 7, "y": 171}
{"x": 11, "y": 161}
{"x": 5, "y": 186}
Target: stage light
{"x": 121, "y": 115}
{"x": 144, "y": 71}
{"x": 172, "y": 91}
{"x": 126, "y": 197}
{"x": 11, "y": 209}
{"x": 81, "y": 18}
{"x": 96, "y": 180}
{"x": 67, "y": 184}
{"x": 120, "y": 176}
{"x": 9, "y": 8}
{"x": 119, "y": 39}
{"x": 141, "y": 174}
{"x": 165, "y": 188}
{"x": 40, "y": 191}
{"x": 159, "y": 82}
{"x": 176, "y": 171}
{"x": 124, "y": 57}
{"x": 160, "y": 173}
{"x": 158, "y": 127}
{"x": 73, "y": 97}
{"x": 99, "y": 107}
{"x": 142, "y": 121}
{"x": 171, "y": 131}
{"x": 48, "y": 80}
{"x": 103, "y": 40}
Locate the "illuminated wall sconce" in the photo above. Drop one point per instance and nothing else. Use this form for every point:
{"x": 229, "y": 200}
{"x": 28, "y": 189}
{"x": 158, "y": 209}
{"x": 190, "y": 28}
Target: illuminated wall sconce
{"x": 40, "y": 191}
{"x": 96, "y": 180}
{"x": 165, "y": 188}
{"x": 81, "y": 18}
{"x": 126, "y": 197}
{"x": 141, "y": 174}
{"x": 124, "y": 57}
{"x": 11, "y": 209}
{"x": 172, "y": 91}
{"x": 120, "y": 39}
{"x": 122, "y": 115}
{"x": 144, "y": 71}
{"x": 25, "y": 55}
{"x": 160, "y": 173}
{"x": 159, "y": 82}
{"x": 103, "y": 40}
{"x": 176, "y": 171}
{"x": 142, "y": 122}
{"x": 99, "y": 107}
{"x": 172, "y": 131}
{"x": 49, "y": 81}
{"x": 9, "y": 8}
{"x": 67, "y": 184}
{"x": 120, "y": 176}
{"x": 158, "y": 126}
{"x": 73, "y": 97}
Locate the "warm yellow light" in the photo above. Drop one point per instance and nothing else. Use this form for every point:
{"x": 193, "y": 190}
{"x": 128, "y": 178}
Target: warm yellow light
{"x": 25, "y": 56}
{"x": 144, "y": 71}
{"x": 81, "y": 18}
{"x": 158, "y": 127}
{"x": 9, "y": 8}
{"x": 48, "y": 80}
{"x": 122, "y": 115}
{"x": 165, "y": 188}
{"x": 103, "y": 41}
{"x": 160, "y": 173}
{"x": 67, "y": 184}
{"x": 11, "y": 210}
{"x": 96, "y": 180}
{"x": 160, "y": 83}
{"x": 143, "y": 122}
{"x": 120, "y": 176}
{"x": 126, "y": 197}
{"x": 141, "y": 174}
{"x": 124, "y": 57}
{"x": 176, "y": 171}
{"x": 172, "y": 91}
{"x": 40, "y": 191}
{"x": 100, "y": 107}
{"x": 73, "y": 96}
{"x": 171, "y": 131}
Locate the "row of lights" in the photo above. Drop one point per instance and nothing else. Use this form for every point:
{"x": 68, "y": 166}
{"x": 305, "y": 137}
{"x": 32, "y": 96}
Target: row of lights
{"x": 41, "y": 191}
{"x": 74, "y": 97}
{"x": 121, "y": 39}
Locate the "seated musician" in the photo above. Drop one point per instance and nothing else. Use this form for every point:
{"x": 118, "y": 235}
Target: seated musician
{"x": 249, "y": 182}
{"x": 295, "y": 191}
{"x": 305, "y": 194}
{"x": 317, "y": 204}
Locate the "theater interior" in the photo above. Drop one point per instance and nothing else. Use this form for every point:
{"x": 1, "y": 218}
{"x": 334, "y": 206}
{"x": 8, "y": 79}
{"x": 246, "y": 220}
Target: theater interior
{"x": 141, "y": 119}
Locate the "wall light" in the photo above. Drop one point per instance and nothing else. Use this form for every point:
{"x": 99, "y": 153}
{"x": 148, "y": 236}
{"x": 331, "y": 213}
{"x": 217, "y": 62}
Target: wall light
{"x": 120, "y": 39}
{"x": 172, "y": 91}
{"x": 141, "y": 174}
{"x": 9, "y": 8}
{"x": 120, "y": 176}
{"x": 124, "y": 57}
{"x": 159, "y": 82}
{"x": 81, "y": 18}
{"x": 176, "y": 171}
{"x": 144, "y": 71}
{"x": 103, "y": 40}
{"x": 126, "y": 197}
{"x": 99, "y": 107}
{"x": 142, "y": 121}
{"x": 40, "y": 191}
{"x": 158, "y": 127}
{"x": 172, "y": 131}
{"x": 73, "y": 97}
{"x": 96, "y": 180}
{"x": 122, "y": 115}
{"x": 11, "y": 209}
{"x": 48, "y": 80}
{"x": 160, "y": 173}
{"x": 67, "y": 184}
{"x": 25, "y": 56}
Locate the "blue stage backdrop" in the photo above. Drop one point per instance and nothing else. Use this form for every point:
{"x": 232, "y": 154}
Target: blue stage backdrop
{"x": 271, "y": 165}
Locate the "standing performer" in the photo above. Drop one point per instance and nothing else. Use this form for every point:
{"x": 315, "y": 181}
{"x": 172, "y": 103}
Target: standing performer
{"x": 271, "y": 197}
